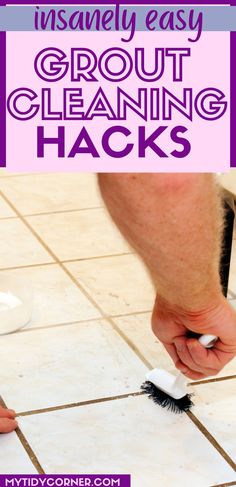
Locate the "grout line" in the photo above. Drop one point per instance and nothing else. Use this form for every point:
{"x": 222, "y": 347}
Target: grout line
{"x": 212, "y": 440}
{"x": 25, "y": 266}
{"x": 9, "y": 175}
{"x": 69, "y": 261}
{"x": 216, "y": 379}
{"x": 29, "y": 451}
{"x": 228, "y": 484}
{"x": 14, "y": 217}
{"x": 26, "y": 445}
{"x": 115, "y": 327}
{"x": 132, "y": 314}
{"x": 79, "y": 404}
{"x": 58, "y": 212}
{"x": 58, "y": 325}
{"x": 2, "y": 269}
{"x": 3, "y": 218}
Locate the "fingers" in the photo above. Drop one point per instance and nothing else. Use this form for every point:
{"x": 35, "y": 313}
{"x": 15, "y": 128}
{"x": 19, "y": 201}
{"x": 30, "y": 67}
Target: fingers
{"x": 180, "y": 365}
{"x": 195, "y": 361}
{"x": 7, "y": 425}
{"x": 7, "y": 420}
{"x": 7, "y": 413}
{"x": 188, "y": 372}
{"x": 214, "y": 359}
{"x": 221, "y": 354}
{"x": 196, "y": 358}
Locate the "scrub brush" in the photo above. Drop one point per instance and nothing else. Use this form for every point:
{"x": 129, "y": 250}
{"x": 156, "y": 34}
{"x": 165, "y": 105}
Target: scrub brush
{"x": 170, "y": 391}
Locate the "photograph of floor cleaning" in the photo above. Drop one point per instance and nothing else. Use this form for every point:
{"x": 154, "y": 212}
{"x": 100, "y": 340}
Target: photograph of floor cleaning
{"x": 74, "y": 373}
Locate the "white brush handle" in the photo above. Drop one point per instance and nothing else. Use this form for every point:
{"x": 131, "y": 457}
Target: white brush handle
{"x": 208, "y": 341}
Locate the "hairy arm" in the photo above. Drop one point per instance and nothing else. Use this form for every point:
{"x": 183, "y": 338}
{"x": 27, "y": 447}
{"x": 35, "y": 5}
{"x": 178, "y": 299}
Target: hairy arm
{"x": 174, "y": 222}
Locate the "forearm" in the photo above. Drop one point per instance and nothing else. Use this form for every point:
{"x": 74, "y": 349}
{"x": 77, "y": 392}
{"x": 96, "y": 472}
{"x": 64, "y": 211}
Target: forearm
{"x": 174, "y": 222}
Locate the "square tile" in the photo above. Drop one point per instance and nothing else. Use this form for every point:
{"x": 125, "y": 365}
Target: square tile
{"x": 68, "y": 364}
{"x": 80, "y": 234}
{"x": 137, "y": 328}
{"x": 43, "y": 193}
{"x": 14, "y": 459}
{"x": 215, "y": 406}
{"x": 130, "y": 436}
{"x": 118, "y": 284}
{"x": 56, "y": 299}
{"x": 19, "y": 247}
{"x": 5, "y": 209}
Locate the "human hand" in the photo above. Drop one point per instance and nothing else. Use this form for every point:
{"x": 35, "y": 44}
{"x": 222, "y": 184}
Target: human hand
{"x": 7, "y": 420}
{"x": 171, "y": 325}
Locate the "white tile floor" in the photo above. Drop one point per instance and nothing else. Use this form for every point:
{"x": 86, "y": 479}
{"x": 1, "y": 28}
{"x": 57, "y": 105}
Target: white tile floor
{"x": 56, "y": 299}
{"x": 79, "y": 234}
{"x": 126, "y": 436}
{"x": 19, "y": 247}
{"x": 90, "y": 341}
{"x": 14, "y": 458}
{"x": 118, "y": 284}
{"x": 70, "y": 364}
{"x": 5, "y": 210}
{"x": 215, "y": 407}
{"x": 35, "y": 194}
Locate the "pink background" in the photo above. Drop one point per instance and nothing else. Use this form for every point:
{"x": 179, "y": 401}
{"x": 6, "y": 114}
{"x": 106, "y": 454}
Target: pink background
{"x": 208, "y": 66}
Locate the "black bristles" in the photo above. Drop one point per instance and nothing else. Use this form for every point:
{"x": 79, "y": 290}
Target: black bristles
{"x": 165, "y": 401}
